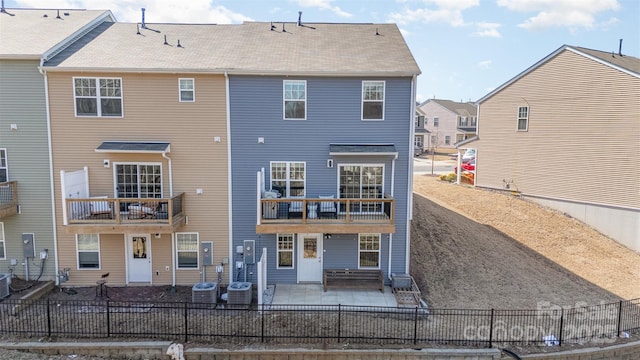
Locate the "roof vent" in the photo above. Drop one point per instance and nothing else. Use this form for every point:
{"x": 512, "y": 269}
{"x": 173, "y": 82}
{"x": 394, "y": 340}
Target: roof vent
{"x": 144, "y": 25}
{"x": 165, "y": 40}
{"x": 58, "y": 15}
{"x": 3, "y": 9}
{"x": 179, "y": 43}
{"x": 299, "y": 18}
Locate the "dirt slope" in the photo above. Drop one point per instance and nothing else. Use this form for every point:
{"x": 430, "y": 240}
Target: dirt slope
{"x": 475, "y": 248}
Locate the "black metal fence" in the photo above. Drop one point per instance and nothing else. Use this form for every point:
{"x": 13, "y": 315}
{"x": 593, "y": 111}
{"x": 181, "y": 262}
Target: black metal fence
{"x": 550, "y": 325}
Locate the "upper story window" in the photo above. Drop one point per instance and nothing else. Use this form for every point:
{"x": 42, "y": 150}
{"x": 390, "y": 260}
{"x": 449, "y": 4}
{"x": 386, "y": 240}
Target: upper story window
{"x": 436, "y": 121}
{"x": 187, "y": 90}
{"x": 4, "y": 170}
{"x": 447, "y": 140}
{"x": 288, "y": 178}
{"x": 523, "y": 118}
{"x": 138, "y": 180}
{"x": 474, "y": 121}
{"x": 373, "y": 100}
{"x": 463, "y": 121}
{"x": 98, "y": 96}
{"x": 419, "y": 121}
{"x": 295, "y": 99}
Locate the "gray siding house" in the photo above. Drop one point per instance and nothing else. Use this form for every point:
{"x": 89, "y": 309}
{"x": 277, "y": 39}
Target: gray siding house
{"x": 321, "y": 151}
{"x": 29, "y": 37}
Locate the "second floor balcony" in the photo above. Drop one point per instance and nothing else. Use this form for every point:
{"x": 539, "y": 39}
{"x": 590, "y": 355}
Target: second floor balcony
{"x": 326, "y": 215}
{"x": 8, "y": 198}
{"x": 124, "y": 215}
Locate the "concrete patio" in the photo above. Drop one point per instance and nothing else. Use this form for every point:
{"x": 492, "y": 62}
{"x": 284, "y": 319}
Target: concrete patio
{"x": 313, "y": 294}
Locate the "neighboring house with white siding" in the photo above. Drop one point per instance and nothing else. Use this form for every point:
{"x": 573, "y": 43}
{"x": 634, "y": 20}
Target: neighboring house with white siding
{"x": 564, "y": 133}
{"x": 28, "y": 38}
{"x": 448, "y": 122}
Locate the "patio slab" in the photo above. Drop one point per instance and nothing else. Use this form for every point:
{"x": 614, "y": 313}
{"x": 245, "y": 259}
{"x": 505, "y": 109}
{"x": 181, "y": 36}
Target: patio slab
{"x": 313, "y": 294}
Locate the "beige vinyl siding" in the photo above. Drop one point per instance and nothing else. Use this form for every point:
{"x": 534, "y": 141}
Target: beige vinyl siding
{"x": 582, "y": 137}
{"x": 152, "y": 112}
{"x": 160, "y": 258}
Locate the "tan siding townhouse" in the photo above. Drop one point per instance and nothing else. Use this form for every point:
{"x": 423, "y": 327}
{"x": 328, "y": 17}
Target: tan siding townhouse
{"x": 448, "y": 122}
{"x": 565, "y": 133}
{"x": 140, "y": 157}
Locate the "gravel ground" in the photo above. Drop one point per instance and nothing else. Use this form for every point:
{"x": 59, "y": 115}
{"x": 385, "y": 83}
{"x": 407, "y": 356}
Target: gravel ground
{"x": 19, "y": 355}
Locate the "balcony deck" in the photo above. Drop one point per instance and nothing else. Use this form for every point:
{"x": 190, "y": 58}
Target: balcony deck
{"x": 315, "y": 215}
{"x": 125, "y": 215}
{"x": 8, "y": 199}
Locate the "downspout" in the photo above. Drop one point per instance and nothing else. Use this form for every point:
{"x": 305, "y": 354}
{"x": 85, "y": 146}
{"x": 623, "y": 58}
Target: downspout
{"x": 53, "y": 202}
{"x": 173, "y": 235}
{"x": 164, "y": 155}
{"x": 393, "y": 176}
{"x": 229, "y": 184}
{"x": 407, "y": 256}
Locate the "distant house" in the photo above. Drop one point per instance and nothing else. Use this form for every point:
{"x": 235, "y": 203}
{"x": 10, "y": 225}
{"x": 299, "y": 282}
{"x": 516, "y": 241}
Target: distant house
{"x": 421, "y": 139}
{"x": 448, "y": 122}
{"x": 564, "y": 133}
{"x": 30, "y": 37}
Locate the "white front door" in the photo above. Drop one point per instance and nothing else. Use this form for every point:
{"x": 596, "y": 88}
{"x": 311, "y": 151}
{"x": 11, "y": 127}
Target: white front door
{"x": 310, "y": 258}
{"x": 139, "y": 257}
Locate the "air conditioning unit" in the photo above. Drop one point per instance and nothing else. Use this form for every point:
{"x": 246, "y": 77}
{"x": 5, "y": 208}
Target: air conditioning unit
{"x": 205, "y": 292}
{"x": 239, "y": 293}
{"x": 4, "y": 286}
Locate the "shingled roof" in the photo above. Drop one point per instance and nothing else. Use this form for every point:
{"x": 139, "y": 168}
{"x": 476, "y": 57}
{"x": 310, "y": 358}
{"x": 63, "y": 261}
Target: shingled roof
{"x": 460, "y": 108}
{"x": 248, "y": 48}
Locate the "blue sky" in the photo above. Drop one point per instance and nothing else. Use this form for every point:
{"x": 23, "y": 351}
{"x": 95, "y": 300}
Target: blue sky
{"x": 465, "y": 48}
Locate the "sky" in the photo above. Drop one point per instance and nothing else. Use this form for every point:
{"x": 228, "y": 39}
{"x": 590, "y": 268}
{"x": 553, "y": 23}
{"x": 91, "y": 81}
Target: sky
{"x": 465, "y": 48}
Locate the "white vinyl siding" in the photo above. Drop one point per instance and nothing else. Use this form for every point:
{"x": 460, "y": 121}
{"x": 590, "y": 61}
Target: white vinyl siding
{"x": 4, "y": 169}
{"x": 100, "y": 97}
{"x": 187, "y": 90}
{"x": 285, "y": 251}
{"x": 295, "y": 99}
{"x": 368, "y": 251}
{"x": 373, "y": 100}
{"x": 88, "y": 249}
{"x": 288, "y": 178}
{"x": 187, "y": 250}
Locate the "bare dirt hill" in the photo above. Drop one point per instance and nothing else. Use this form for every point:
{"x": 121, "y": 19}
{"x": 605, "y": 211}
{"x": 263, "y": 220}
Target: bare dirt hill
{"x": 474, "y": 248}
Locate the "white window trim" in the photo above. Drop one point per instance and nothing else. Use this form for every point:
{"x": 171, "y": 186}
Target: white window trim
{"x": 288, "y": 179}
{"x": 379, "y": 250}
{"x": 193, "y": 89}
{"x": 362, "y": 100}
{"x": 6, "y": 162}
{"x": 2, "y": 242}
{"x": 115, "y": 177}
{"x": 197, "y": 251}
{"x": 98, "y": 106}
{"x": 78, "y": 256}
{"x": 436, "y": 121}
{"x": 519, "y": 118}
{"x": 292, "y": 251}
{"x": 284, "y": 99}
{"x": 359, "y": 164}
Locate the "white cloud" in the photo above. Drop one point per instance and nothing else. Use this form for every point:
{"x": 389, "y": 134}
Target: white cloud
{"x": 445, "y": 11}
{"x": 324, "y": 5}
{"x": 572, "y": 14}
{"x": 485, "y": 29}
{"x": 193, "y": 11}
{"x": 484, "y": 64}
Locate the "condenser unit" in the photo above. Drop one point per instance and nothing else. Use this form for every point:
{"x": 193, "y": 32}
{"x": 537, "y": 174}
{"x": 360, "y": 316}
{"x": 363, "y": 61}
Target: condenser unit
{"x": 4, "y": 286}
{"x": 239, "y": 293}
{"x": 205, "y": 292}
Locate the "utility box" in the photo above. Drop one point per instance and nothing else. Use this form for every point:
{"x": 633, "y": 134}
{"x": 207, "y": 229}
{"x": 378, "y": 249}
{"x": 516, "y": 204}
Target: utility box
{"x": 249, "y": 252}
{"x": 207, "y": 253}
{"x": 28, "y": 245}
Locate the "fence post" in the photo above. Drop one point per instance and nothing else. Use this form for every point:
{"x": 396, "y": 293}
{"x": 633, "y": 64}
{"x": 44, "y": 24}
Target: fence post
{"x": 619, "y": 318}
{"x": 561, "y": 326}
{"x": 48, "y": 318}
{"x": 108, "y": 320}
{"x": 491, "y": 330}
{"x": 186, "y": 323}
{"x": 262, "y": 323}
{"x": 339, "y": 319}
{"x": 415, "y": 327}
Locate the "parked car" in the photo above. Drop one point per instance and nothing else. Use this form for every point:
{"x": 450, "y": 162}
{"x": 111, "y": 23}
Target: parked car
{"x": 468, "y": 155}
{"x": 467, "y": 166}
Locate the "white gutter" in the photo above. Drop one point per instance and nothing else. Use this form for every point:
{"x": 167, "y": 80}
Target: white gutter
{"x": 173, "y": 259}
{"x": 407, "y": 256}
{"x": 53, "y": 203}
{"x": 393, "y": 177}
{"x": 229, "y": 178}
{"x": 164, "y": 155}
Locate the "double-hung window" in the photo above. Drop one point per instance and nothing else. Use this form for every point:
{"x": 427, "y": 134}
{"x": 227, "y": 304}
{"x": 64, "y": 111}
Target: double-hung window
{"x": 523, "y": 118}
{"x": 88, "y": 247}
{"x": 436, "y": 121}
{"x": 361, "y": 182}
{"x": 288, "y": 178}
{"x": 285, "y": 251}
{"x": 98, "y": 96}
{"x": 4, "y": 169}
{"x": 447, "y": 140}
{"x": 187, "y": 250}
{"x": 418, "y": 141}
{"x": 3, "y": 254}
{"x": 295, "y": 99}
{"x": 373, "y": 100}
{"x": 368, "y": 251}
{"x": 463, "y": 121}
{"x": 187, "y": 90}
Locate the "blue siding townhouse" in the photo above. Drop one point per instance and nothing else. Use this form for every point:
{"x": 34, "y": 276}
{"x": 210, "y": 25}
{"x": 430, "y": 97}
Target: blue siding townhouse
{"x": 321, "y": 120}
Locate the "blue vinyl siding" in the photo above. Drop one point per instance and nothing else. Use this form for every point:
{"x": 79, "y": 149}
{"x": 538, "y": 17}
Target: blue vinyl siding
{"x": 333, "y": 116}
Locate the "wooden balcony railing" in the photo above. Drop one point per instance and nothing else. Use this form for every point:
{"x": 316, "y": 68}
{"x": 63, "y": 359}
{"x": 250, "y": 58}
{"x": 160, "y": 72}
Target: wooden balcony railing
{"x": 325, "y": 214}
{"x": 8, "y": 198}
{"x": 125, "y": 211}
